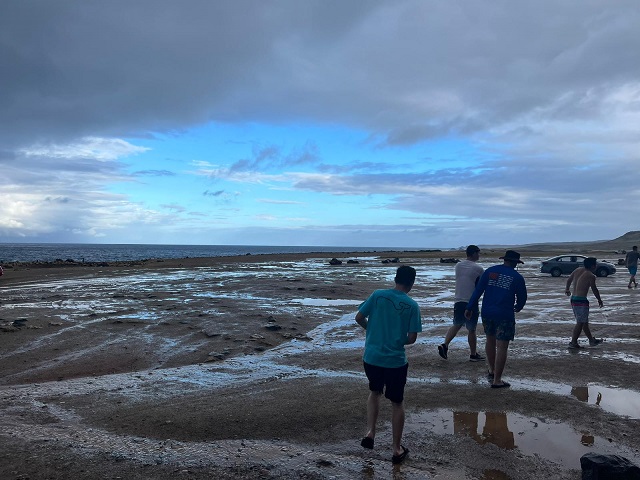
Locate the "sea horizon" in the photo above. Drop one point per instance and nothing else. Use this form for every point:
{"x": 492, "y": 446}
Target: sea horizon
{"x": 111, "y": 252}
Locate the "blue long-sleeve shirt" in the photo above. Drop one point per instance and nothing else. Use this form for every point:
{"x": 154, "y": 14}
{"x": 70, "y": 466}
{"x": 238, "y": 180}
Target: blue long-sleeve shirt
{"x": 504, "y": 293}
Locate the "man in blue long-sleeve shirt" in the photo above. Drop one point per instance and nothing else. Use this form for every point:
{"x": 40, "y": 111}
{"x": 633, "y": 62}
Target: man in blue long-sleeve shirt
{"x": 504, "y": 294}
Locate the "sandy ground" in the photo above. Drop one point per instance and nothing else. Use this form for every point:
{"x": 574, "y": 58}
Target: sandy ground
{"x": 250, "y": 367}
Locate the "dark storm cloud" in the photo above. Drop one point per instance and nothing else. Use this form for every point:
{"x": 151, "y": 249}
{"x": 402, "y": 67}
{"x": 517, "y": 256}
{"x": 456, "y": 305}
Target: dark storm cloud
{"x": 407, "y": 70}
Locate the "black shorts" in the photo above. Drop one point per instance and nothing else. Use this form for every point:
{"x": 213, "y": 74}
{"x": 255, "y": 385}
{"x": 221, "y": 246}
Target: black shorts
{"x": 459, "y": 319}
{"x": 393, "y": 378}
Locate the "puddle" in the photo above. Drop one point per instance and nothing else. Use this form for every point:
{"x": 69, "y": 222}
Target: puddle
{"x": 556, "y": 442}
{"x": 614, "y": 400}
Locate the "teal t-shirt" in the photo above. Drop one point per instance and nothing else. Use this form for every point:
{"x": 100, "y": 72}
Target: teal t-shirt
{"x": 391, "y": 315}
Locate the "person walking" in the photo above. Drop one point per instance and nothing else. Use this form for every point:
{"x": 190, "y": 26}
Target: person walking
{"x": 467, "y": 274}
{"x": 631, "y": 262}
{"x": 505, "y": 294}
{"x": 392, "y": 320}
{"x": 583, "y": 279}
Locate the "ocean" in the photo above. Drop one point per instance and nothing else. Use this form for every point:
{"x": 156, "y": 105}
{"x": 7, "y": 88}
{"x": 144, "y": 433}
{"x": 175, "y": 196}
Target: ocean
{"x": 78, "y": 252}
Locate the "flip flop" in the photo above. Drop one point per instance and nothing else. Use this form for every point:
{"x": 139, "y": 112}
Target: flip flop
{"x": 396, "y": 459}
{"x": 367, "y": 442}
{"x": 502, "y": 385}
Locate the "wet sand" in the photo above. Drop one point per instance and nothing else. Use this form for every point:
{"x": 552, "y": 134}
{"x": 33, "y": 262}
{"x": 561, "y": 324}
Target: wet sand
{"x": 250, "y": 367}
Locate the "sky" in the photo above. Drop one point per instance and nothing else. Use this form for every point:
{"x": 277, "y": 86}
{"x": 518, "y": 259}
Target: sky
{"x": 400, "y": 123}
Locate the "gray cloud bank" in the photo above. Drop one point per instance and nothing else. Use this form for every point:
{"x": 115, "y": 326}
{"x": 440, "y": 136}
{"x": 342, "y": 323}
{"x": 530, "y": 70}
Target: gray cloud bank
{"x": 404, "y": 70}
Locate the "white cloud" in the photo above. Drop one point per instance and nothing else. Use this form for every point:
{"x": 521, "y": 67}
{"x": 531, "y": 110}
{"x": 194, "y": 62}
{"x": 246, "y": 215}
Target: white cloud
{"x": 89, "y": 147}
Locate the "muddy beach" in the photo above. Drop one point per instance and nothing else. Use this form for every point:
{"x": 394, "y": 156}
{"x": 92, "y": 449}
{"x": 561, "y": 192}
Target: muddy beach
{"x": 250, "y": 367}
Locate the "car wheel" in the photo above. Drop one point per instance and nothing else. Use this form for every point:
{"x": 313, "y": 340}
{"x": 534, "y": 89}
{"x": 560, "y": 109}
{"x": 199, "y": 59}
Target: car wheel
{"x": 602, "y": 272}
{"x": 555, "y": 272}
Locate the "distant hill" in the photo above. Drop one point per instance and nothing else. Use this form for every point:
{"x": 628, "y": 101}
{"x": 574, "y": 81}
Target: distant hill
{"x": 624, "y": 242}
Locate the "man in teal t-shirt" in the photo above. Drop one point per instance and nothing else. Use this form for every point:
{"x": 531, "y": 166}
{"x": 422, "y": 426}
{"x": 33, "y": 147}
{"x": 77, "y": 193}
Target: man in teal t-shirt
{"x": 392, "y": 320}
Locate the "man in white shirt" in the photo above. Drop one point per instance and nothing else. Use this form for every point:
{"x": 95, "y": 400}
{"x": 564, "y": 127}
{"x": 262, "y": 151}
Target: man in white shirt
{"x": 467, "y": 274}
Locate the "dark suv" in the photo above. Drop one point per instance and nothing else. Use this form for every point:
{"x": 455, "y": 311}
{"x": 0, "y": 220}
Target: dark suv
{"x": 565, "y": 264}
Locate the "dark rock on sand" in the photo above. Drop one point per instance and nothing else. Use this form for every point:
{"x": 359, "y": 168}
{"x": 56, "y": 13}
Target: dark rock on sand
{"x": 608, "y": 467}
{"x": 449, "y": 260}
{"x": 391, "y": 260}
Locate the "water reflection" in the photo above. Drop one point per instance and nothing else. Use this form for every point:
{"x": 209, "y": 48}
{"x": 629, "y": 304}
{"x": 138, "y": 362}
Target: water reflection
{"x": 587, "y": 440}
{"x": 495, "y": 429}
{"x": 557, "y": 442}
{"x": 616, "y": 400}
{"x": 492, "y": 474}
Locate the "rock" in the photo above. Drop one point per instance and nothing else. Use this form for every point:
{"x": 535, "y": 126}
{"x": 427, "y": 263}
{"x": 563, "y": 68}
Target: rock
{"x": 353, "y": 261}
{"x": 210, "y": 333}
{"x": 449, "y": 260}
{"x": 391, "y": 260}
{"x": 272, "y": 326}
{"x": 335, "y": 261}
{"x": 608, "y": 467}
{"x": 19, "y": 323}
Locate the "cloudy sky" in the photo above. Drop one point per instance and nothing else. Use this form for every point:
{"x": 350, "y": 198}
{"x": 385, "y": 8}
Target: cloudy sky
{"x": 403, "y": 123}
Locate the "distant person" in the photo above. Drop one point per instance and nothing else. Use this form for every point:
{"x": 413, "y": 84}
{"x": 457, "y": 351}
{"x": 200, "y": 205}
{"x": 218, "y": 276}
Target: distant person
{"x": 504, "y": 294}
{"x": 467, "y": 274}
{"x": 583, "y": 279}
{"x": 631, "y": 262}
{"x": 392, "y": 320}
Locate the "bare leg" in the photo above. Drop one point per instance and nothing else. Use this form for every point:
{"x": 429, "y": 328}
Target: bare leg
{"x": 490, "y": 350}
{"x": 451, "y": 334}
{"x": 501, "y": 360}
{"x": 397, "y": 425}
{"x": 473, "y": 341}
{"x": 587, "y": 331}
{"x": 373, "y": 407}
{"x": 576, "y": 333}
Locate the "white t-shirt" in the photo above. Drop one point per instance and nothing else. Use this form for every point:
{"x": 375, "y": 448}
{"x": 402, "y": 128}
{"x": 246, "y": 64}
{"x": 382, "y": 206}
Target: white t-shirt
{"x": 466, "y": 274}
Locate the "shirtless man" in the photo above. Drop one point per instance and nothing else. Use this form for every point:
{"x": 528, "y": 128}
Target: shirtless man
{"x": 583, "y": 278}
{"x": 631, "y": 262}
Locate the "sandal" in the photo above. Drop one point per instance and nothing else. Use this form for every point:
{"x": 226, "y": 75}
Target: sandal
{"x": 396, "y": 459}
